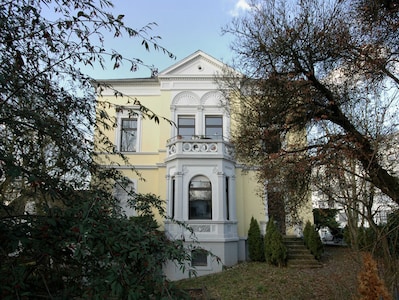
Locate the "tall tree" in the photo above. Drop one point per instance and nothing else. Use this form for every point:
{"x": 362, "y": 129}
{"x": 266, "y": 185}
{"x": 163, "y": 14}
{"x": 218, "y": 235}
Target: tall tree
{"x": 316, "y": 67}
{"x": 72, "y": 239}
{"x": 330, "y": 68}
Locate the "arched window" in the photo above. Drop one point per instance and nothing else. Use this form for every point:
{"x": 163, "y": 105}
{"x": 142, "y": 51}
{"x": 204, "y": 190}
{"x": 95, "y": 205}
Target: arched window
{"x": 200, "y": 199}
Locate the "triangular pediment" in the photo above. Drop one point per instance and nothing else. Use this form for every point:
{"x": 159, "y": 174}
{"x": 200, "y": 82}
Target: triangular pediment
{"x": 198, "y": 64}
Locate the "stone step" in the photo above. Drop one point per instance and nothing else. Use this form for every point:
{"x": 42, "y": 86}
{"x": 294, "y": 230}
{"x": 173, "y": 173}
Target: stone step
{"x": 303, "y": 264}
{"x": 298, "y": 255}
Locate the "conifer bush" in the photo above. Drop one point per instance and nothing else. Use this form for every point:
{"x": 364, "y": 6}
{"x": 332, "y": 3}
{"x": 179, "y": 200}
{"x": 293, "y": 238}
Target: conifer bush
{"x": 312, "y": 240}
{"x": 275, "y": 250}
{"x": 255, "y": 242}
{"x": 315, "y": 245}
{"x": 306, "y": 233}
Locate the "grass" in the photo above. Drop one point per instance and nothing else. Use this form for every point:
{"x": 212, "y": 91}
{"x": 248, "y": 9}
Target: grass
{"x": 337, "y": 279}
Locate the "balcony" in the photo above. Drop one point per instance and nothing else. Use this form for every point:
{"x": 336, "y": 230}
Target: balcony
{"x": 199, "y": 145}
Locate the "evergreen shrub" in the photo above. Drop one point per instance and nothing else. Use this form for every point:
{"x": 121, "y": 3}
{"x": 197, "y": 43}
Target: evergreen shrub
{"x": 312, "y": 240}
{"x": 315, "y": 245}
{"x": 275, "y": 250}
{"x": 306, "y": 233}
{"x": 255, "y": 242}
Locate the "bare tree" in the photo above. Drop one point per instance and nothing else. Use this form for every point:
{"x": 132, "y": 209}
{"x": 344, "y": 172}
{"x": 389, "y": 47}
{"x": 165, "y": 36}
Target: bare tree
{"x": 330, "y": 69}
{"x": 312, "y": 66}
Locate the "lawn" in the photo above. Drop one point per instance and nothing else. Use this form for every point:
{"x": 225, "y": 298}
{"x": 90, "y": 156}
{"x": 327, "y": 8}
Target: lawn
{"x": 337, "y": 279}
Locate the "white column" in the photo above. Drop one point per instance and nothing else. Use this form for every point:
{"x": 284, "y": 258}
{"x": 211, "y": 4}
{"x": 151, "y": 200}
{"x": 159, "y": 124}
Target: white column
{"x": 220, "y": 214}
{"x": 232, "y": 198}
{"x": 169, "y": 196}
{"x": 179, "y": 199}
{"x": 200, "y": 127}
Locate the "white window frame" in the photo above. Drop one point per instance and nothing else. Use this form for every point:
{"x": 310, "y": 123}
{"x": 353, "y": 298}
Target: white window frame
{"x": 198, "y": 179}
{"x": 126, "y": 114}
{"x": 187, "y": 116}
{"x": 211, "y": 115}
{"x": 199, "y": 265}
{"x": 122, "y": 196}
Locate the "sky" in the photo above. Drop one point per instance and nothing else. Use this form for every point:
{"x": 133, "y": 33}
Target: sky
{"x": 185, "y": 26}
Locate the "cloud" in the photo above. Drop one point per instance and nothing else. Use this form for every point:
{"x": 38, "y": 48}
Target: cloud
{"x": 240, "y": 6}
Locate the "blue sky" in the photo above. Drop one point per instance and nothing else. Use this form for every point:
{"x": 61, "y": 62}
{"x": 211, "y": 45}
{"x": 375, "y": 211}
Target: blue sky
{"x": 185, "y": 26}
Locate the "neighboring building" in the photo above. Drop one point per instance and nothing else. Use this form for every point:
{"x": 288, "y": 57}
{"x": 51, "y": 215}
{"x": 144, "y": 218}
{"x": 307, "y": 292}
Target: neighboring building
{"x": 190, "y": 165}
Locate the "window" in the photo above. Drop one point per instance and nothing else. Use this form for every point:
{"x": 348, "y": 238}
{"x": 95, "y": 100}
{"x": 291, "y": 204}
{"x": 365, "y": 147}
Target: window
{"x": 199, "y": 258}
{"x": 173, "y": 197}
{"x": 128, "y": 135}
{"x": 227, "y": 200}
{"x": 200, "y": 199}
{"x": 123, "y": 192}
{"x": 186, "y": 126}
{"x": 214, "y": 127}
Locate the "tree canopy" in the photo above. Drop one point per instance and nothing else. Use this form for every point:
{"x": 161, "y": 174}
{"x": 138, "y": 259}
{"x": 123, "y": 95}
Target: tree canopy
{"x": 327, "y": 67}
{"x": 317, "y": 103}
{"x": 62, "y": 233}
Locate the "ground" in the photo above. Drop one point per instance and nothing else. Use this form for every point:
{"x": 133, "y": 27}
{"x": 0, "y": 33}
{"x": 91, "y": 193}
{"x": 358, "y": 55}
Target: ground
{"x": 337, "y": 279}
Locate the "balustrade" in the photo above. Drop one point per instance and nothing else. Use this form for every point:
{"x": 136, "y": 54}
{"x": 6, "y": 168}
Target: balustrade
{"x": 199, "y": 145}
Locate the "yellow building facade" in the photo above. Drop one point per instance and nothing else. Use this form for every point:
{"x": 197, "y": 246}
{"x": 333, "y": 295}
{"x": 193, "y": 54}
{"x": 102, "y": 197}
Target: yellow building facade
{"x": 190, "y": 165}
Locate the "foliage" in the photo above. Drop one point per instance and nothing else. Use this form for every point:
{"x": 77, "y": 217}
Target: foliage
{"x": 255, "y": 242}
{"x": 380, "y": 240}
{"x": 307, "y": 232}
{"x": 86, "y": 251}
{"x": 392, "y": 232}
{"x": 316, "y": 67}
{"x": 326, "y": 69}
{"x": 364, "y": 238}
{"x": 370, "y": 284}
{"x": 312, "y": 240}
{"x": 63, "y": 234}
{"x": 325, "y": 218}
{"x": 371, "y": 238}
{"x": 315, "y": 244}
{"x": 275, "y": 250}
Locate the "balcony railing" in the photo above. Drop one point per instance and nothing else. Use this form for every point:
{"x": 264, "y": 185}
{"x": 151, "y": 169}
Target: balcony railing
{"x": 200, "y": 145}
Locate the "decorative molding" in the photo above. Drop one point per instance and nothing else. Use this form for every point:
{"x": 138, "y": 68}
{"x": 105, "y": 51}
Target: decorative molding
{"x": 186, "y": 98}
{"x": 213, "y": 98}
{"x": 201, "y": 228}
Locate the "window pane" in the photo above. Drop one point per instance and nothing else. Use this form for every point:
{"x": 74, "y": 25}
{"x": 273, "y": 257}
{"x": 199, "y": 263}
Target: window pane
{"x": 214, "y": 133}
{"x": 129, "y": 124}
{"x": 199, "y": 258}
{"x": 186, "y": 126}
{"x": 186, "y": 121}
{"x": 123, "y": 192}
{"x": 200, "y": 199}
{"x": 128, "y": 135}
{"x": 214, "y": 120}
{"x": 186, "y": 132}
{"x": 214, "y": 127}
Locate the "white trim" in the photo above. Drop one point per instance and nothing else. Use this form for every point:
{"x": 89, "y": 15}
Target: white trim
{"x": 200, "y": 107}
{"x": 122, "y": 196}
{"x": 124, "y": 114}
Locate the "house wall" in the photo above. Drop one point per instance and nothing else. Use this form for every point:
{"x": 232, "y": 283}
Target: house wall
{"x": 188, "y": 87}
